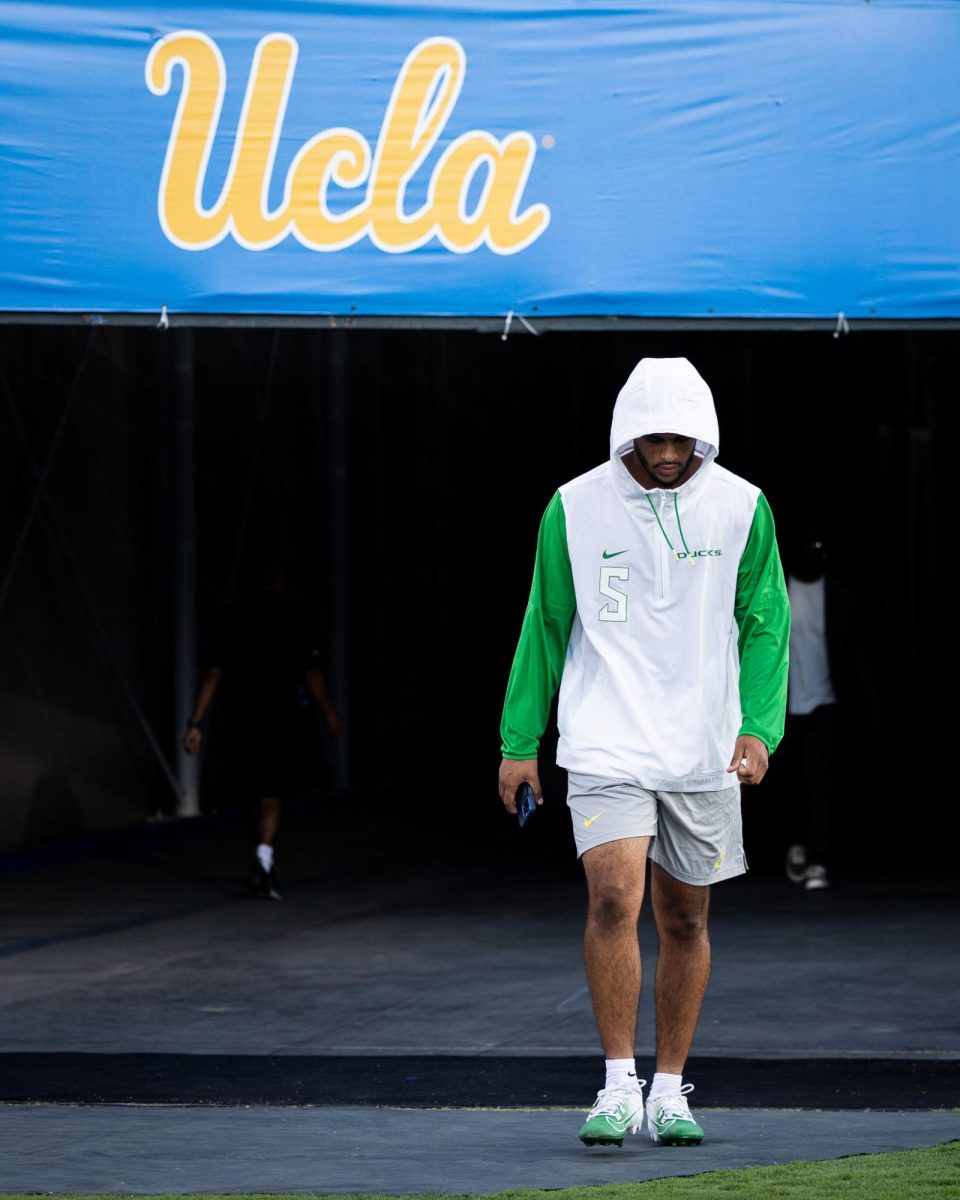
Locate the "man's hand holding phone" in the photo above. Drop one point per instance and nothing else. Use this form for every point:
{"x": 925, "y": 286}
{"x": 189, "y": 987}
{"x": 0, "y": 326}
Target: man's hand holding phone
{"x": 514, "y": 772}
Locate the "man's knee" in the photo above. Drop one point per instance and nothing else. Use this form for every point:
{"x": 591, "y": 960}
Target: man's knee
{"x": 681, "y": 909}
{"x": 615, "y": 880}
{"x": 614, "y": 904}
{"x": 682, "y": 921}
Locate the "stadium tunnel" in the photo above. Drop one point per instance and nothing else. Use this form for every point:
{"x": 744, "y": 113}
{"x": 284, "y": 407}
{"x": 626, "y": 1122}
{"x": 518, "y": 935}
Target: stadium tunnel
{"x": 347, "y": 287}
{"x": 401, "y": 473}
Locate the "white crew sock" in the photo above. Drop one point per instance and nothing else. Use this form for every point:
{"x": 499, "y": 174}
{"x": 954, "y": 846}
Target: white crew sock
{"x": 666, "y": 1085}
{"x": 265, "y": 854}
{"x": 621, "y": 1072}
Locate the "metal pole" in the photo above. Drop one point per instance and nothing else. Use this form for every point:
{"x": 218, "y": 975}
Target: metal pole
{"x": 185, "y": 607}
{"x": 336, "y": 512}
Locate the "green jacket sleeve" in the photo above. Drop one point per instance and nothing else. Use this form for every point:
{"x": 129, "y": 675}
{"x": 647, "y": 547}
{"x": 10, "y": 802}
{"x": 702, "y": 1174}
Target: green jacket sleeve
{"x": 762, "y": 611}
{"x": 538, "y": 662}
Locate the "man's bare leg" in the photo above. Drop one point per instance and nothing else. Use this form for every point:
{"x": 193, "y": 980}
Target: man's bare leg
{"x": 683, "y": 968}
{"x": 268, "y": 820}
{"x": 268, "y": 823}
{"x": 611, "y": 951}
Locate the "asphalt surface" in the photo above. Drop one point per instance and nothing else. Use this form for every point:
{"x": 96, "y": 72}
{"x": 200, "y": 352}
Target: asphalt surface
{"x": 438, "y": 969}
{"x": 449, "y": 1080}
{"x": 115, "y": 1150}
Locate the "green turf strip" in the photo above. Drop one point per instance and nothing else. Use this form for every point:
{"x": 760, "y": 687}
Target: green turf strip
{"x": 931, "y": 1174}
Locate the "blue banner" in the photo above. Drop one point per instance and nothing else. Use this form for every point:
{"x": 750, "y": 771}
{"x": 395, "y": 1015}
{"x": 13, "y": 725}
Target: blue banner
{"x": 680, "y": 158}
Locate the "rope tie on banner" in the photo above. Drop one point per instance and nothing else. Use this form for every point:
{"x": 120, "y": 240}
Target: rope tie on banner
{"x": 523, "y": 321}
{"x": 842, "y": 326}
{"x": 164, "y": 322}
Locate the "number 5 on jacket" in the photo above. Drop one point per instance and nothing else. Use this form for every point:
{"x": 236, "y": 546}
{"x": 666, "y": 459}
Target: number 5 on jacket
{"x": 618, "y": 610}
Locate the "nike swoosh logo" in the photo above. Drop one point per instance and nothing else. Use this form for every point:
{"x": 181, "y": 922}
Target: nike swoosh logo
{"x": 614, "y": 554}
{"x": 588, "y": 821}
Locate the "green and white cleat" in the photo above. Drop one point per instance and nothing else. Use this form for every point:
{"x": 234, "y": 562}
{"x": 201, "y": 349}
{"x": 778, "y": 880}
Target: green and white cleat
{"x": 616, "y": 1112}
{"x": 669, "y": 1120}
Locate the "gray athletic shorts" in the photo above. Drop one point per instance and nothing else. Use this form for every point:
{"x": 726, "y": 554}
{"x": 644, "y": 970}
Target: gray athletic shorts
{"x": 697, "y": 836}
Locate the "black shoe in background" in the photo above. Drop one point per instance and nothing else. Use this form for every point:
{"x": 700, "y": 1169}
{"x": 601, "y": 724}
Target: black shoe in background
{"x": 271, "y": 885}
{"x": 264, "y": 884}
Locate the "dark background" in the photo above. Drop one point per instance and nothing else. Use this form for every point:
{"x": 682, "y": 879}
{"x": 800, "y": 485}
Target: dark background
{"x": 451, "y": 445}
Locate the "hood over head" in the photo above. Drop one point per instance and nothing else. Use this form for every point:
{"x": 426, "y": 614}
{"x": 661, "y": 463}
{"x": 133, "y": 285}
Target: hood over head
{"x": 665, "y": 395}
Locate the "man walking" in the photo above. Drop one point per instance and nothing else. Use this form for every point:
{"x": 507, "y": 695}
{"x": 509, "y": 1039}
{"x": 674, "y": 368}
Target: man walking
{"x": 263, "y": 646}
{"x": 659, "y": 607}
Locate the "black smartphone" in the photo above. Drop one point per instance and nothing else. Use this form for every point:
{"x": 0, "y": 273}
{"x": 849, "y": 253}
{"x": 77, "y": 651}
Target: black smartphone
{"x": 526, "y": 803}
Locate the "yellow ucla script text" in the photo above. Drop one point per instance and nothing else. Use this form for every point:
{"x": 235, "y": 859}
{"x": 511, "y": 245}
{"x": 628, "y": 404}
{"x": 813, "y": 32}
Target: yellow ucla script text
{"x": 422, "y": 101}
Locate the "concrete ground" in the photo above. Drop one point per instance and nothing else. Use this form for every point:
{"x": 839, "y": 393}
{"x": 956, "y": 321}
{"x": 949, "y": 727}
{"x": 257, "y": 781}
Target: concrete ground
{"x": 401, "y": 936}
{"x": 406, "y": 1151}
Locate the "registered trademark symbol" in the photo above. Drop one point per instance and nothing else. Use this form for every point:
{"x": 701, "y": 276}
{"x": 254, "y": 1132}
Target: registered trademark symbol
{"x": 548, "y": 141}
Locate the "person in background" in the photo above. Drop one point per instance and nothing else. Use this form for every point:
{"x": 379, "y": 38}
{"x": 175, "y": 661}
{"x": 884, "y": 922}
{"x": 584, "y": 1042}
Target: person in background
{"x": 829, "y": 672}
{"x": 262, "y": 653}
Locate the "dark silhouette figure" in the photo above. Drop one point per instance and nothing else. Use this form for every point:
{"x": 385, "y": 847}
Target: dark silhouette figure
{"x": 262, "y": 650}
{"x": 830, "y": 679}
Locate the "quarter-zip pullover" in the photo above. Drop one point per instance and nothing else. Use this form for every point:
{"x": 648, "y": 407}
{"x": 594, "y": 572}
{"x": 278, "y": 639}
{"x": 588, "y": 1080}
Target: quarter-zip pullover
{"x": 662, "y": 613}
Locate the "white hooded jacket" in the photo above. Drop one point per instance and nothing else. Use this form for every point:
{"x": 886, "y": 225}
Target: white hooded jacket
{"x": 657, "y": 600}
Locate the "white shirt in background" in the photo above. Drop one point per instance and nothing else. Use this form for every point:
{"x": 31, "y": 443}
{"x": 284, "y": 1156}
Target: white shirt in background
{"x": 809, "y": 683}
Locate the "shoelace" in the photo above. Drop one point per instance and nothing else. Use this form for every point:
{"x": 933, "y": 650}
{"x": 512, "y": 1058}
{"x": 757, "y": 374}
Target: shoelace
{"x": 674, "y": 1107}
{"x": 609, "y": 1100}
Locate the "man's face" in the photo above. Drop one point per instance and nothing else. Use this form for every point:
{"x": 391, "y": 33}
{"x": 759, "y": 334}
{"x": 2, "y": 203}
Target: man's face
{"x": 665, "y": 455}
